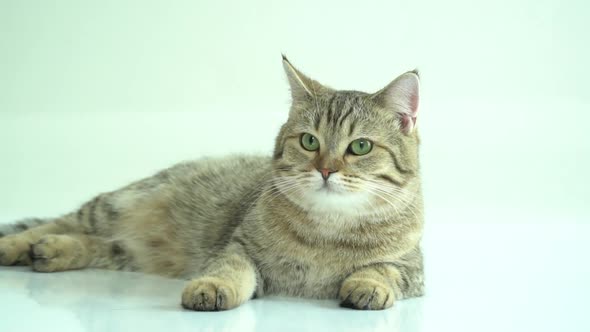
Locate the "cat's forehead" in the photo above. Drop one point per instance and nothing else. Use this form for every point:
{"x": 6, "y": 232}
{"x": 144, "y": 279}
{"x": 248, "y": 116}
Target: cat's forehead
{"x": 339, "y": 111}
{"x": 334, "y": 109}
{"x": 340, "y": 99}
{"x": 341, "y": 116}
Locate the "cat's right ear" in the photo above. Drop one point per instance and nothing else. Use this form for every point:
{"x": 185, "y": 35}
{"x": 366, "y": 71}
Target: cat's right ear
{"x": 301, "y": 85}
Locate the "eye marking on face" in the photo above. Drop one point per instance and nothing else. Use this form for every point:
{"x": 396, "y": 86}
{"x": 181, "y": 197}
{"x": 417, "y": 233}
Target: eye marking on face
{"x": 360, "y": 147}
{"x": 309, "y": 142}
{"x": 285, "y": 168}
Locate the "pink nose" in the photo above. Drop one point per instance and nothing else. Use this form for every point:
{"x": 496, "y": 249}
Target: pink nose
{"x": 326, "y": 173}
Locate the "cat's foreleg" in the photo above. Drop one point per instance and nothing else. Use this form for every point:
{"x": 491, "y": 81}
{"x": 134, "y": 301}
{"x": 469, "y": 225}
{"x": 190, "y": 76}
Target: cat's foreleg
{"x": 227, "y": 282}
{"x": 374, "y": 287}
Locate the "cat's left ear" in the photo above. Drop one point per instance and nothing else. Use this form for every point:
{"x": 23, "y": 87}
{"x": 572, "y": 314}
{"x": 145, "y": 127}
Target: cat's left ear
{"x": 402, "y": 96}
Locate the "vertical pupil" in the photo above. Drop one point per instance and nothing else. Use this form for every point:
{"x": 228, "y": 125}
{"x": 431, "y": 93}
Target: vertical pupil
{"x": 362, "y": 145}
{"x": 311, "y": 138}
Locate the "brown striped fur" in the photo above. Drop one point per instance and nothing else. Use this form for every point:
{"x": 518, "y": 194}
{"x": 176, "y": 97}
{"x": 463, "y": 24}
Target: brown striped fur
{"x": 246, "y": 226}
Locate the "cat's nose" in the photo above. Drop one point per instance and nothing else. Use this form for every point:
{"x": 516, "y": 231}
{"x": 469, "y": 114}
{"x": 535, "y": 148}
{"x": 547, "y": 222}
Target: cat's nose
{"x": 326, "y": 173}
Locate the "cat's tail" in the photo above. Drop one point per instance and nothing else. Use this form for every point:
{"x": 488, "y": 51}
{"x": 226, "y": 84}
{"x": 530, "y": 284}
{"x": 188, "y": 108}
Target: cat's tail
{"x": 21, "y": 225}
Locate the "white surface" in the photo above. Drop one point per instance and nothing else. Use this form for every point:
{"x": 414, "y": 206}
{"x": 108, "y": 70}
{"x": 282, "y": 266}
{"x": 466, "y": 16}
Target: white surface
{"x": 487, "y": 277}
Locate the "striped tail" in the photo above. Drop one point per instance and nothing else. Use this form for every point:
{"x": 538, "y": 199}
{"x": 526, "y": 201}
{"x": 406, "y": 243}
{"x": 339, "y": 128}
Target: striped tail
{"x": 21, "y": 226}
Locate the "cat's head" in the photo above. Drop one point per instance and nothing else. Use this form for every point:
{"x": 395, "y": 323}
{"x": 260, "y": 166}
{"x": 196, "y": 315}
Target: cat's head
{"x": 349, "y": 152}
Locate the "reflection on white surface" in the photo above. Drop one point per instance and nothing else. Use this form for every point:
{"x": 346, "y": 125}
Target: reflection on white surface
{"x": 486, "y": 277}
{"x": 96, "y": 300}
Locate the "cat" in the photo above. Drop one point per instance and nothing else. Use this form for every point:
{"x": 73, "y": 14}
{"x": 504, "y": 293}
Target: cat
{"x": 335, "y": 213}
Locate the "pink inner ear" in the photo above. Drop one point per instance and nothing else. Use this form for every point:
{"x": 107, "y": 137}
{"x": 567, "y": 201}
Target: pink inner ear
{"x": 403, "y": 95}
{"x": 408, "y": 120}
{"x": 414, "y": 106}
{"x": 408, "y": 123}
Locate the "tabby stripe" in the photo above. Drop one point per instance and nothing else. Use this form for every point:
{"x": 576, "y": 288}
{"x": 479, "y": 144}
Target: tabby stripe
{"x": 285, "y": 168}
{"x": 317, "y": 119}
{"x": 347, "y": 114}
{"x": 390, "y": 179}
{"x": 92, "y": 213}
{"x": 21, "y": 226}
{"x": 80, "y": 214}
{"x": 117, "y": 249}
{"x": 396, "y": 161}
{"x": 397, "y": 165}
{"x": 109, "y": 210}
{"x": 335, "y": 115}
{"x": 330, "y": 108}
{"x": 351, "y": 129}
{"x": 240, "y": 241}
{"x": 163, "y": 175}
{"x": 121, "y": 257}
{"x": 278, "y": 153}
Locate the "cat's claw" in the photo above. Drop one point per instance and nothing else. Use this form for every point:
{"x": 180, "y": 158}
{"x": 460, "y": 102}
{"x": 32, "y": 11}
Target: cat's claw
{"x": 209, "y": 294}
{"x": 366, "y": 294}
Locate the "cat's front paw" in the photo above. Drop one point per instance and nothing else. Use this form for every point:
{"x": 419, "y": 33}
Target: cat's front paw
{"x": 209, "y": 294}
{"x": 366, "y": 294}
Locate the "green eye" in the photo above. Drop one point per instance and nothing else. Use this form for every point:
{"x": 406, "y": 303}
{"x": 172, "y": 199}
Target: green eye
{"x": 309, "y": 142}
{"x": 360, "y": 146}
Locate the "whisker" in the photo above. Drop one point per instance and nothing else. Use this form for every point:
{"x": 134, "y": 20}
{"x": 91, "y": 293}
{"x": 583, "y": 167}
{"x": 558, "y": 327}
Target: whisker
{"x": 403, "y": 197}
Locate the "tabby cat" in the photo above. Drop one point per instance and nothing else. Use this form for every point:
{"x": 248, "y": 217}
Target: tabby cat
{"x": 336, "y": 212}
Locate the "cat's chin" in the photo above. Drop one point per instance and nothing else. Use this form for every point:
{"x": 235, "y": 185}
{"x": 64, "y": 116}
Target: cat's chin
{"x": 330, "y": 191}
{"x": 328, "y": 200}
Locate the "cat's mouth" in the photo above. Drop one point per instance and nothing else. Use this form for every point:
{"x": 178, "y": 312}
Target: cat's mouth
{"x": 326, "y": 188}
{"x": 329, "y": 188}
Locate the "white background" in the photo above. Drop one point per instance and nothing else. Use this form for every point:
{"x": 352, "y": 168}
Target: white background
{"x": 96, "y": 94}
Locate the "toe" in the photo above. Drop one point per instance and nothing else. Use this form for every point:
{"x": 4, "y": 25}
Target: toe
{"x": 208, "y": 294}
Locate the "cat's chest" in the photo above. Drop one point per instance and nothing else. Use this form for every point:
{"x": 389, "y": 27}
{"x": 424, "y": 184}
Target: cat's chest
{"x": 301, "y": 263}
{"x": 296, "y": 269}
{"x": 289, "y": 274}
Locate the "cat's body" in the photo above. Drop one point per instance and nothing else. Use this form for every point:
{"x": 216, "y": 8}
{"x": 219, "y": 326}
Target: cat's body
{"x": 248, "y": 226}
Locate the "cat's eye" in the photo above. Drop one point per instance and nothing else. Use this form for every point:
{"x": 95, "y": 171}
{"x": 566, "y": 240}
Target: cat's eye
{"x": 360, "y": 146}
{"x": 309, "y": 142}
